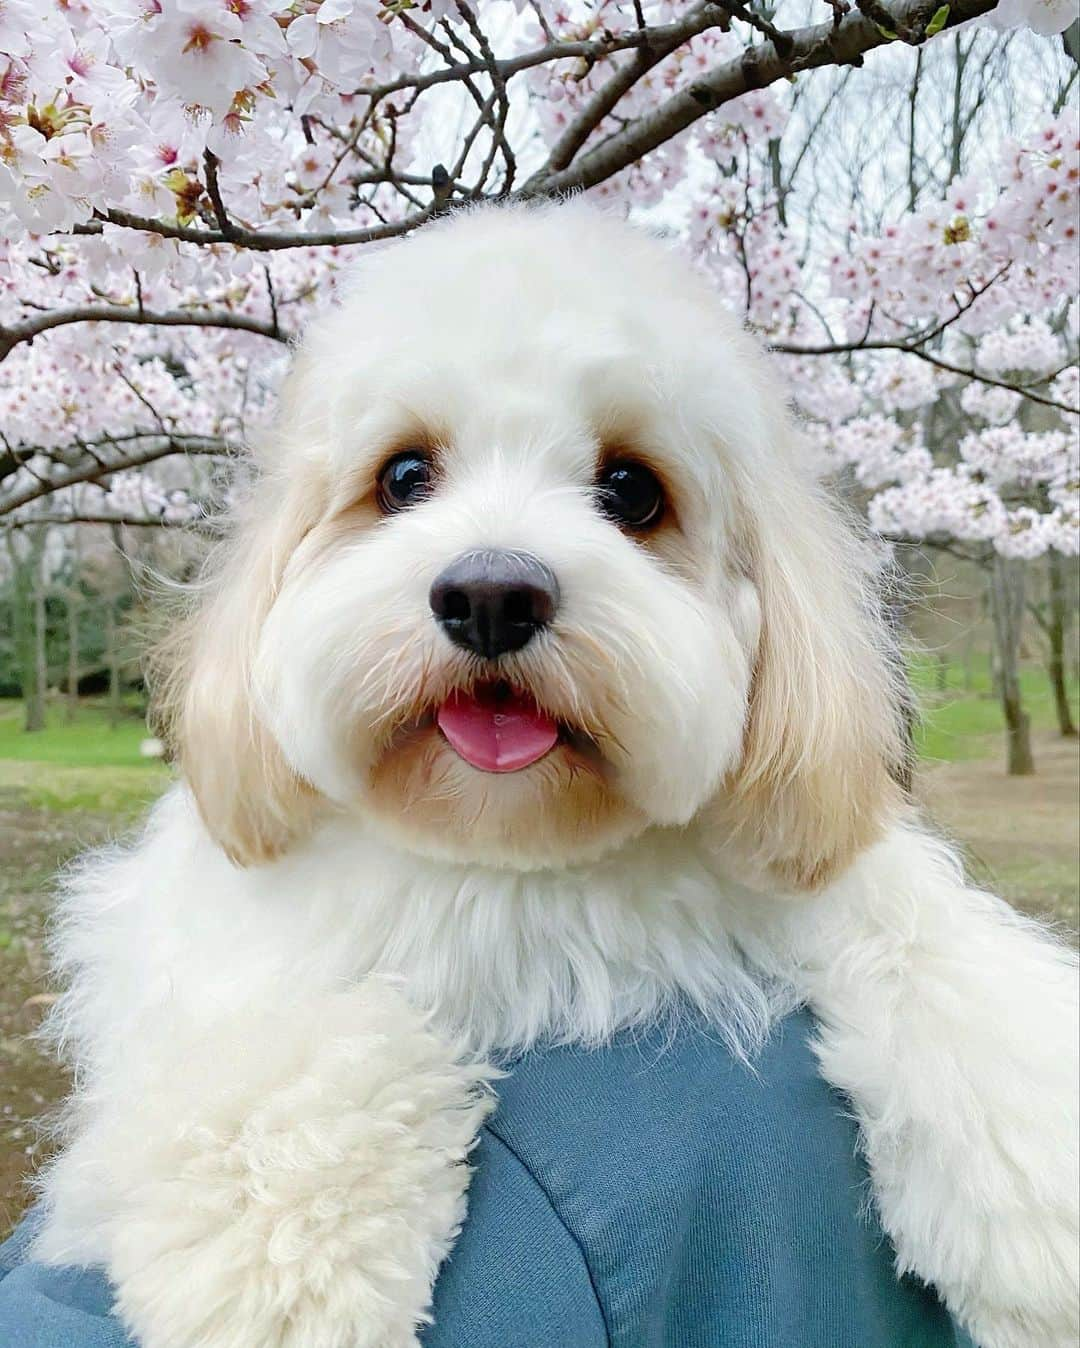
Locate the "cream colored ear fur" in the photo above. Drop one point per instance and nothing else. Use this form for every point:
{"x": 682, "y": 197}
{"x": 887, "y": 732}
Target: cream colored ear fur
{"x": 251, "y": 800}
{"x": 824, "y": 737}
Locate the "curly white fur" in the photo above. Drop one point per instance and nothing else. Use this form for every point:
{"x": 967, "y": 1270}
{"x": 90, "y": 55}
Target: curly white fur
{"x": 278, "y": 1062}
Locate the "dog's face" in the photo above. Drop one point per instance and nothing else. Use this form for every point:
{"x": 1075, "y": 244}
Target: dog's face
{"x": 506, "y": 587}
{"x": 521, "y": 629}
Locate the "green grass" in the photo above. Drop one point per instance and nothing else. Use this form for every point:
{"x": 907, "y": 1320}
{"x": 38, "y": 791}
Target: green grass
{"x": 123, "y": 792}
{"x": 960, "y": 723}
{"x": 84, "y": 764}
{"x": 87, "y": 741}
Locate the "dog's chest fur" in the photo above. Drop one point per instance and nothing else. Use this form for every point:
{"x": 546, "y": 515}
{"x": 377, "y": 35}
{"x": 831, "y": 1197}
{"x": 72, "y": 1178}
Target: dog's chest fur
{"x": 502, "y": 959}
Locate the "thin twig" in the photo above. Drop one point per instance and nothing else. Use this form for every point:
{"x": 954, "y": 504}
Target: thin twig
{"x": 213, "y": 188}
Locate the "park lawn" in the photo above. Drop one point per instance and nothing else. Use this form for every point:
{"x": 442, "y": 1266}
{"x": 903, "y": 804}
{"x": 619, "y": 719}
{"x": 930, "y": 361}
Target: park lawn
{"x": 120, "y": 793}
{"x": 88, "y": 740}
{"x": 1020, "y": 835}
{"x": 958, "y": 723}
{"x": 80, "y": 765}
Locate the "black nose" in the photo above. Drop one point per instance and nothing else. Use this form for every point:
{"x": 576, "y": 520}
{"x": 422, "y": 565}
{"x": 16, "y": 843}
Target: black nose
{"x": 494, "y": 602}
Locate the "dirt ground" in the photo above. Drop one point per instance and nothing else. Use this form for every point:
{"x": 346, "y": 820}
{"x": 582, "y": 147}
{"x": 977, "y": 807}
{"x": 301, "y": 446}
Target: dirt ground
{"x": 33, "y": 843}
{"x": 1021, "y": 836}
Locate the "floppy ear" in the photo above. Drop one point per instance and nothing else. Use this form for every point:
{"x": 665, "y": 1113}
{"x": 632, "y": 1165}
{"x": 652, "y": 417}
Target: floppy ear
{"x": 251, "y": 800}
{"x": 824, "y": 741}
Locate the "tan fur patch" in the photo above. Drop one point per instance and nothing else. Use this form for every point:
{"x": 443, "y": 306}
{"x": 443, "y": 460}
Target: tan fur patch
{"x": 251, "y": 801}
{"x": 565, "y": 799}
{"x": 814, "y": 786}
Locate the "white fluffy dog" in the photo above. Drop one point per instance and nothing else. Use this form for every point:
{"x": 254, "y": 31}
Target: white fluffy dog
{"x": 539, "y": 689}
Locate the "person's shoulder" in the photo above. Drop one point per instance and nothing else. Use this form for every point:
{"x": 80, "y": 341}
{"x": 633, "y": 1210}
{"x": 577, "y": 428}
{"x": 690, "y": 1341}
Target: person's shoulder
{"x": 581, "y": 1152}
{"x": 44, "y": 1306}
{"x": 692, "y": 1192}
{"x": 674, "y": 1092}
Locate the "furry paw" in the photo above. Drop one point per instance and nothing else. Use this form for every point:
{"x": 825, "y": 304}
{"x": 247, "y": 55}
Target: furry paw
{"x": 1012, "y": 1278}
{"x": 950, "y": 1022}
{"x": 296, "y": 1184}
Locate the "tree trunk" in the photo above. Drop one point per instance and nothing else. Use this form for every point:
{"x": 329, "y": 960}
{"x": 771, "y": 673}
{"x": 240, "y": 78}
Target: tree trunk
{"x": 73, "y": 605}
{"x": 969, "y": 659}
{"x": 73, "y": 654}
{"x": 1008, "y": 611}
{"x": 995, "y": 647}
{"x": 113, "y": 658}
{"x": 1057, "y": 632}
{"x": 21, "y": 605}
{"x": 28, "y": 594}
{"x": 35, "y": 703}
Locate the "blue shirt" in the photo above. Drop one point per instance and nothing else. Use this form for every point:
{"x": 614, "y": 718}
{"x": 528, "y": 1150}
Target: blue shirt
{"x": 653, "y": 1193}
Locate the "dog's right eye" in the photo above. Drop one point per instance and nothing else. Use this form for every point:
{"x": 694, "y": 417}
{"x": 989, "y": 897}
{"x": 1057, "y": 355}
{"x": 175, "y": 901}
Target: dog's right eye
{"x": 404, "y": 480}
{"x": 630, "y": 494}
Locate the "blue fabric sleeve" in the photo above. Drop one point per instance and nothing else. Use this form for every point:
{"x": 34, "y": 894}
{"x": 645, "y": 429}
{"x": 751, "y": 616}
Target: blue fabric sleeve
{"x": 516, "y": 1277}
{"x": 44, "y": 1307}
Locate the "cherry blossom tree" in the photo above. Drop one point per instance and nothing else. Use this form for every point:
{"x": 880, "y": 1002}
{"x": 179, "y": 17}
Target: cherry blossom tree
{"x": 973, "y": 446}
{"x": 183, "y": 183}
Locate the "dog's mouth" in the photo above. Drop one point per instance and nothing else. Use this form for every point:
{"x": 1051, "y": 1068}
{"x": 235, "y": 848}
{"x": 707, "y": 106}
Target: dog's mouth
{"x": 496, "y": 727}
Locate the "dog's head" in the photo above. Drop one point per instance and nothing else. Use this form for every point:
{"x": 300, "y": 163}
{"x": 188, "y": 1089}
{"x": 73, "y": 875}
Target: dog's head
{"x": 534, "y": 563}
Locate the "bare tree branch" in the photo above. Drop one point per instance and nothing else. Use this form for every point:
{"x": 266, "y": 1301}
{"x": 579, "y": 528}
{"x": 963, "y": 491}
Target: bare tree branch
{"x": 1025, "y": 390}
{"x": 151, "y": 448}
{"x": 819, "y": 45}
{"x": 908, "y": 342}
{"x": 213, "y": 188}
{"x": 260, "y": 240}
{"x": 646, "y": 56}
{"x": 124, "y": 520}
{"x": 588, "y": 50}
{"x": 498, "y": 84}
{"x": 29, "y": 328}
{"x": 915, "y": 343}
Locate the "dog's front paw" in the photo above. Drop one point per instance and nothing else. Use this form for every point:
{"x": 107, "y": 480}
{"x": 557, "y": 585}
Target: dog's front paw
{"x": 1024, "y": 1293}
{"x": 306, "y": 1187}
{"x": 980, "y": 1192}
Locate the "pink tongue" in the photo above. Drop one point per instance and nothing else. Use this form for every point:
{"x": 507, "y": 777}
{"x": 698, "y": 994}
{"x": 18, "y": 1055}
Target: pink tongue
{"x": 497, "y": 731}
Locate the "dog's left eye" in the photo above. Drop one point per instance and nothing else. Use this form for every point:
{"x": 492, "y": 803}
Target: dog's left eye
{"x": 630, "y": 494}
{"x": 404, "y": 480}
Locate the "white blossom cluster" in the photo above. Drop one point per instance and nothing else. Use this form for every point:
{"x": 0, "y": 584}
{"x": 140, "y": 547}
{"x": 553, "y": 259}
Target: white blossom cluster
{"x": 108, "y": 104}
{"x": 1009, "y": 481}
{"x": 1016, "y": 490}
{"x": 1027, "y": 349}
{"x": 1025, "y": 233}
